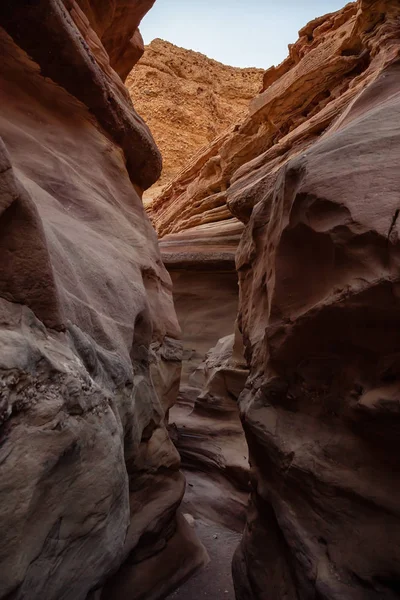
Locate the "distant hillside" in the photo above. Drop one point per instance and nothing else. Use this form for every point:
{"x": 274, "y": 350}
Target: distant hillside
{"x": 187, "y": 99}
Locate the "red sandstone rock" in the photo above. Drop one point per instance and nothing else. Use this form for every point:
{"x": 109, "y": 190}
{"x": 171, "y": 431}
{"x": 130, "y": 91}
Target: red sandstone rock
{"x": 187, "y": 99}
{"x": 116, "y": 23}
{"x": 205, "y": 420}
{"x": 209, "y": 437}
{"x": 319, "y": 313}
{"x": 334, "y": 58}
{"x": 313, "y": 174}
{"x": 320, "y": 408}
{"x": 90, "y": 355}
{"x": 78, "y": 63}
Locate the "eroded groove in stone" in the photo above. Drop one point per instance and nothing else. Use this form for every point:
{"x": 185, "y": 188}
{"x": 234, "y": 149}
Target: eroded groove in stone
{"x": 312, "y": 175}
{"x": 90, "y": 356}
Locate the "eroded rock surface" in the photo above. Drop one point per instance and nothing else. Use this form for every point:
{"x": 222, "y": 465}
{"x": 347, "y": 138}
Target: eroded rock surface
{"x": 209, "y": 437}
{"x": 205, "y": 421}
{"x": 312, "y": 173}
{"x": 319, "y": 272}
{"x": 90, "y": 355}
{"x": 320, "y": 311}
{"x": 116, "y": 24}
{"x": 187, "y": 99}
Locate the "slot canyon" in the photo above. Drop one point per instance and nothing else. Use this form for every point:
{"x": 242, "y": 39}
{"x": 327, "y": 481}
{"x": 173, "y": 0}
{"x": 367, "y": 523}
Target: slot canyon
{"x": 199, "y": 365}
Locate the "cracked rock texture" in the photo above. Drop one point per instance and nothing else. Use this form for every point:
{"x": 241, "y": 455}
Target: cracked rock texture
{"x": 90, "y": 356}
{"x": 187, "y": 99}
{"x": 312, "y": 173}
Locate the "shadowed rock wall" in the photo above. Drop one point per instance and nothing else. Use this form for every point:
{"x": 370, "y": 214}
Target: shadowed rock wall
{"x": 206, "y": 425}
{"x": 90, "y": 355}
{"x": 312, "y": 174}
{"x": 187, "y": 99}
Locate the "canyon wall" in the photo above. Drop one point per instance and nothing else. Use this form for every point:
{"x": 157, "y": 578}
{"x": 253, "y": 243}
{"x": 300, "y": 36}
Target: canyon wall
{"x": 300, "y": 202}
{"x": 311, "y": 177}
{"x": 201, "y": 261}
{"x": 187, "y": 99}
{"x": 90, "y": 355}
{"x": 208, "y": 432}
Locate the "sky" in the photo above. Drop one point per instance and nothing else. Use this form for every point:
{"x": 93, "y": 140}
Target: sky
{"x": 240, "y": 33}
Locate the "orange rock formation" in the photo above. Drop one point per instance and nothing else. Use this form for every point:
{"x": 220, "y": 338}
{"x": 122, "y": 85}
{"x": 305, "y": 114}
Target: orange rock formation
{"x": 187, "y": 99}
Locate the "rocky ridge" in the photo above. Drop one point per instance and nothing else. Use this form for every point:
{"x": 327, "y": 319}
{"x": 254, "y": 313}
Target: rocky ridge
{"x": 187, "y": 99}
{"x": 308, "y": 183}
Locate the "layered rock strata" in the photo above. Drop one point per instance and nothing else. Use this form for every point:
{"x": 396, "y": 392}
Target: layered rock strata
{"x": 187, "y": 99}
{"x": 312, "y": 173}
{"x": 205, "y": 422}
{"x": 210, "y": 440}
{"x": 90, "y": 355}
{"x": 334, "y": 58}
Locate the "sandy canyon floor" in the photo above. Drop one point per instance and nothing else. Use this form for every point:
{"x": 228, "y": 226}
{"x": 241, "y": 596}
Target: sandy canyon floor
{"x": 215, "y": 580}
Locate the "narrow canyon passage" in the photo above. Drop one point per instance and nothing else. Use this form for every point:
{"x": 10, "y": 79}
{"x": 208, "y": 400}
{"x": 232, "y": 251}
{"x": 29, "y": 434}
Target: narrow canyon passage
{"x": 199, "y": 374}
{"x": 293, "y": 192}
{"x": 204, "y": 423}
{"x": 213, "y": 581}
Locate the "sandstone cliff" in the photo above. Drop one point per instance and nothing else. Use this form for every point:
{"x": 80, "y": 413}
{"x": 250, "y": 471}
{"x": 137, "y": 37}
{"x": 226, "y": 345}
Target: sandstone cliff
{"x": 187, "y": 99}
{"x": 90, "y": 354}
{"x": 311, "y": 178}
{"x": 300, "y": 201}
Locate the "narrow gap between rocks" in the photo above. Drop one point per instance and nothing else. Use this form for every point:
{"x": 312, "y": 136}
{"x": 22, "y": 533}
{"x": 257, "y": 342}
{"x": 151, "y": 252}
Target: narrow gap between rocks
{"x": 205, "y": 424}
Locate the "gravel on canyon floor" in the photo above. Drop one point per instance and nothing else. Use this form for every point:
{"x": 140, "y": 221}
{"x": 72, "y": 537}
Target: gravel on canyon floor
{"x": 215, "y": 580}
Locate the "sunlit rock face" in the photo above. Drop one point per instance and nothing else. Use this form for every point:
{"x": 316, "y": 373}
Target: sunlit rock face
{"x": 90, "y": 356}
{"x": 312, "y": 175}
{"x": 187, "y": 99}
